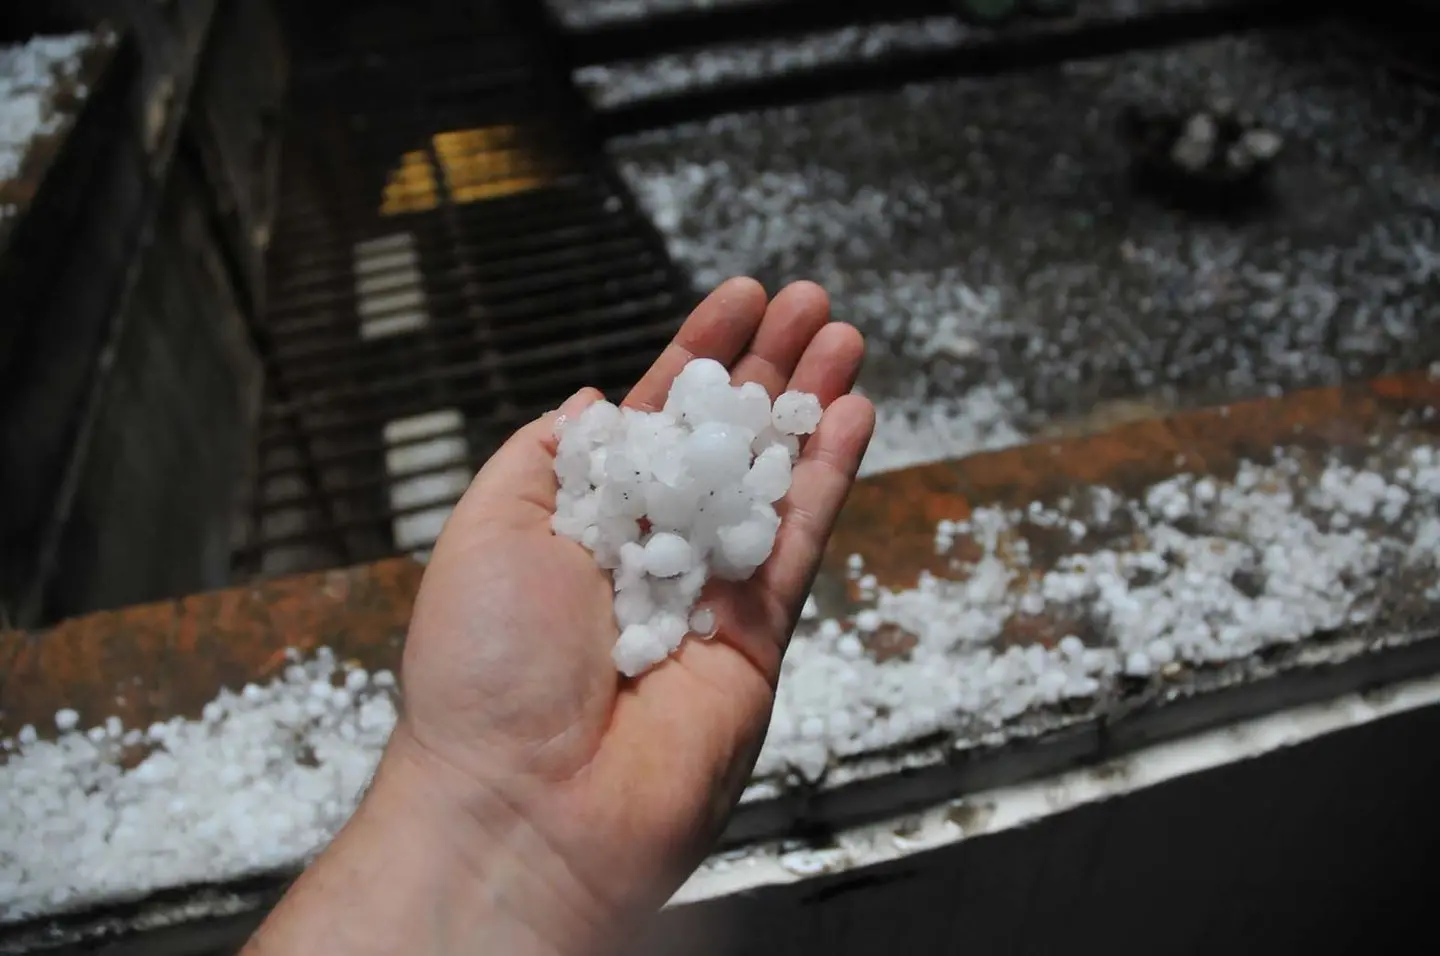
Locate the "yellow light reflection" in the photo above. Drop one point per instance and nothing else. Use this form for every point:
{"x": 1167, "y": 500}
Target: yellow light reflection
{"x": 477, "y": 164}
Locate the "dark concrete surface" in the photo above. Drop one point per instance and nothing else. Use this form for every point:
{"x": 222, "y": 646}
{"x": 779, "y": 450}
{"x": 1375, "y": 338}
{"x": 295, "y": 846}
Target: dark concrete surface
{"x": 1002, "y": 209}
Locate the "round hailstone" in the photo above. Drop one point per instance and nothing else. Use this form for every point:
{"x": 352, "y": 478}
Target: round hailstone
{"x": 1051, "y": 685}
{"x": 639, "y": 649}
{"x": 769, "y": 477}
{"x": 718, "y": 454}
{"x": 670, "y": 629}
{"x": 668, "y": 555}
{"x": 702, "y": 622}
{"x": 769, "y": 437}
{"x": 701, "y": 388}
{"x": 671, "y": 506}
{"x": 633, "y": 605}
{"x": 1138, "y": 664}
{"x": 622, "y": 470}
{"x": 796, "y": 413}
{"x": 753, "y": 408}
{"x": 1160, "y": 652}
{"x": 701, "y": 373}
{"x": 66, "y": 720}
{"x": 631, "y": 571}
{"x": 749, "y": 543}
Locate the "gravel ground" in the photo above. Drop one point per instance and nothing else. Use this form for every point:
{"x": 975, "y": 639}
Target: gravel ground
{"x": 987, "y": 238}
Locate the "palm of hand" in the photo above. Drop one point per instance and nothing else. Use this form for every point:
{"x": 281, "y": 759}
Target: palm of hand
{"x": 507, "y": 671}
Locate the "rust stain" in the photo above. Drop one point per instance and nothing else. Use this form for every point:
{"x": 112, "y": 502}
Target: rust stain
{"x": 155, "y": 661}
{"x": 891, "y": 518}
{"x": 889, "y": 642}
{"x": 1024, "y": 629}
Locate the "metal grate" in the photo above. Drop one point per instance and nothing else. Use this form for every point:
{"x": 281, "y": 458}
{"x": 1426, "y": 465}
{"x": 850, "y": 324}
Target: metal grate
{"x": 453, "y": 255}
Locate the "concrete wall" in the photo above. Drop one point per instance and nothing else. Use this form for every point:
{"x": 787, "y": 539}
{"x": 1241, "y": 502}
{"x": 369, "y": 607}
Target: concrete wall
{"x": 1321, "y": 848}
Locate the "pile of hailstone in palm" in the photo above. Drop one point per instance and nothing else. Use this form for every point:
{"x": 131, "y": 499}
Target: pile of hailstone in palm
{"x": 667, "y": 499}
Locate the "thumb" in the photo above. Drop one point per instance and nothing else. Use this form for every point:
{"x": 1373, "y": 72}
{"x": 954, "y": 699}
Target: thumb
{"x": 519, "y": 479}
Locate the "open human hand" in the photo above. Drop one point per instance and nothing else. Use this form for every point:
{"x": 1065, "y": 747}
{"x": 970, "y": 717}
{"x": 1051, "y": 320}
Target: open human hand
{"x": 602, "y": 794}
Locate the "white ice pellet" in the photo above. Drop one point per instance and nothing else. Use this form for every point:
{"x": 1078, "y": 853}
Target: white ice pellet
{"x": 718, "y": 453}
{"x": 667, "y": 555}
{"x": 868, "y": 620}
{"x": 666, "y": 500}
{"x": 702, "y": 622}
{"x": 66, "y": 720}
{"x": 1051, "y": 685}
{"x": 812, "y": 727}
{"x": 1138, "y": 664}
{"x": 769, "y": 477}
{"x": 638, "y": 649}
{"x": 752, "y": 409}
{"x": 670, "y": 629}
{"x": 748, "y": 543}
{"x": 810, "y": 610}
{"x": 1160, "y": 652}
{"x": 796, "y": 413}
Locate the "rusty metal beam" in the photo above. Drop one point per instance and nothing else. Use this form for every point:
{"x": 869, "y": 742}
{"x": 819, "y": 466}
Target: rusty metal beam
{"x": 891, "y": 518}
{"x": 155, "y": 661}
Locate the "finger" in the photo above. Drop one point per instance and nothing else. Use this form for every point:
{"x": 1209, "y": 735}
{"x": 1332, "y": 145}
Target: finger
{"x": 719, "y": 328}
{"x": 822, "y": 479}
{"x": 830, "y": 364}
{"x": 795, "y": 317}
{"x": 520, "y": 477}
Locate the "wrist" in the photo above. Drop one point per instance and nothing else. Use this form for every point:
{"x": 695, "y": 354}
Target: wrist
{"x": 496, "y": 878}
{"x": 430, "y": 866}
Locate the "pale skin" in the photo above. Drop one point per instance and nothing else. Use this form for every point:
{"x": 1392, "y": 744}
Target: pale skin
{"x": 531, "y": 801}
